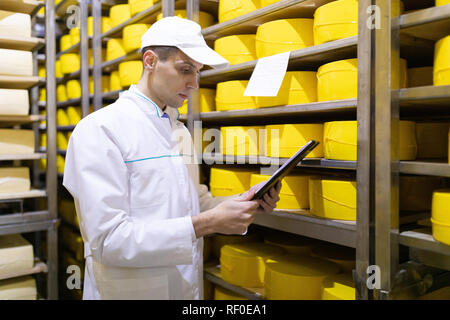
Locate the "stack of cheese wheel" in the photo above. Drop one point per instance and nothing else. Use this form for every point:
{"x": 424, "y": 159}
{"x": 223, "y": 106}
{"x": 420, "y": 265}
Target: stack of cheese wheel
{"x": 344, "y": 257}
{"x": 73, "y": 242}
{"x": 220, "y": 240}
{"x": 297, "y": 87}
{"x": 205, "y": 19}
{"x": 338, "y": 80}
{"x": 243, "y": 141}
{"x": 297, "y": 277}
{"x": 22, "y": 288}
{"x": 14, "y": 102}
{"x": 17, "y": 141}
{"x": 283, "y": 35}
{"x": 132, "y": 35}
{"x": 236, "y": 48}
{"x": 294, "y": 191}
{"x": 114, "y": 81}
{"x": 441, "y": 71}
{"x": 207, "y": 101}
{"x": 230, "y": 96}
{"x": 114, "y": 49}
{"x": 340, "y": 140}
{"x": 339, "y": 287}
{"x": 224, "y": 294}
{"x": 416, "y": 192}
{"x": 70, "y": 62}
{"x": 74, "y": 115}
{"x": 61, "y": 118}
{"x": 339, "y": 19}
{"x": 291, "y": 243}
{"x": 227, "y": 182}
{"x": 432, "y": 140}
{"x": 232, "y": 9}
{"x": 244, "y": 264}
{"x": 119, "y": 14}
{"x": 137, "y": 6}
{"x": 285, "y": 140}
{"x": 419, "y": 77}
{"x": 440, "y": 215}
{"x": 332, "y": 198}
{"x": 105, "y": 25}
{"x": 130, "y": 72}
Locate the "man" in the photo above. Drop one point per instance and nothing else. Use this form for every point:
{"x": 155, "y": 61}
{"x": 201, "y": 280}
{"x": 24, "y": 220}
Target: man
{"x": 141, "y": 210}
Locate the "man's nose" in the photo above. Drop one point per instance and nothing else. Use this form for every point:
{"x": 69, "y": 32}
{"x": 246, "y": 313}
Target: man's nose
{"x": 194, "y": 82}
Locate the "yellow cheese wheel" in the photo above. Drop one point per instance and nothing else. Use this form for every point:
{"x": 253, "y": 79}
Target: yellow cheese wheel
{"x": 339, "y": 287}
{"x": 70, "y": 62}
{"x": 114, "y": 49}
{"x": 74, "y": 34}
{"x": 297, "y": 87}
{"x": 119, "y": 14}
{"x": 442, "y": 2}
{"x": 41, "y": 71}
{"x": 432, "y": 140}
{"x": 105, "y": 25}
{"x": 243, "y": 141}
{"x": 61, "y": 141}
{"x": 283, "y": 35}
{"x": 227, "y": 182}
{"x": 419, "y": 77}
{"x": 340, "y": 139}
{"x": 42, "y": 95}
{"x": 286, "y": 139}
{"x": 339, "y": 79}
{"x": 137, "y": 6}
{"x": 232, "y": 9}
{"x": 267, "y": 2}
{"x": 58, "y": 71}
{"x": 132, "y": 35}
{"x": 344, "y": 257}
{"x": 60, "y": 163}
{"x": 219, "y": 240}
{"x": 294, "y": 191}
{"x": 332, "y": 198}
{"x": 207, "y": 101}
{"x": 230, "y": 96}
{"x": 441, "y": 71}
{"x": 61, "y": 118}
{"x": 130, "y": 72}
{"x": 440, "y": 215}
{"x": 114, "y": 81}
{"x": 416, "y": 192}
{"x": 61, "y": 93}
{"x": 297, "y": 277}
{"x": 65, "y": 42}
{"x": 74, "y": 115}
{"x": 105, "y": 84}
{"x": 73, "y": 89}
{"x": 236, "y": 48}
{"x": 224, "y": 294}
{"x": 339, "y": 19}
{"x": 291, "y": 243}
{"x": 205, "y": 19}
{"x": 244, "y": 264}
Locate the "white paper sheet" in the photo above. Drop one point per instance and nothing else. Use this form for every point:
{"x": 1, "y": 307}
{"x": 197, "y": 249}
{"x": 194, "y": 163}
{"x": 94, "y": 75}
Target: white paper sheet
{"x": 268, "y": 75}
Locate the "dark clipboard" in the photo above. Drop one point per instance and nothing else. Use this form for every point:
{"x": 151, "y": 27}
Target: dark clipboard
{"x": 285, "y": 168}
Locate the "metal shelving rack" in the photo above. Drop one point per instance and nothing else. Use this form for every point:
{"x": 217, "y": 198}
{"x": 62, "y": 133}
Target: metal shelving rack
{"x": 39, "y": 220}
{"x": 428, "y": 102}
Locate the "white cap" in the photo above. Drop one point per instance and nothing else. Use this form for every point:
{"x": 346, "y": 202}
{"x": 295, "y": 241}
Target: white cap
{"x": 187, "y": 36}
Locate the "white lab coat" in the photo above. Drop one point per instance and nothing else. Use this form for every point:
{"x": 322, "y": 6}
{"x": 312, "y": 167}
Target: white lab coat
{"x": 134, "y": 198}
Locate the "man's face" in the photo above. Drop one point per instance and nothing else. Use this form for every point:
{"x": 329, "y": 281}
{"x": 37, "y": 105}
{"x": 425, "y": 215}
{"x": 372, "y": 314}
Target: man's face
{"x": 174, "y": 80}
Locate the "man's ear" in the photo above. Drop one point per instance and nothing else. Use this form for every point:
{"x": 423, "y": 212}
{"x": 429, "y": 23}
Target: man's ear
{"x": 149, "y": 60}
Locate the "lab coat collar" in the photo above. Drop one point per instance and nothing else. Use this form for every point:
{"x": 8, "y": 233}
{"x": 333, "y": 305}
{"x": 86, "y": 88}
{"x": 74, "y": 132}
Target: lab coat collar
{"x": 151, "y": 108}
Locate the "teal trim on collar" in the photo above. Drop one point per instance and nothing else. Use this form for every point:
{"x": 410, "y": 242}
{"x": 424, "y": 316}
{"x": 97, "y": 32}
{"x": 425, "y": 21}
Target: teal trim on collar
{"x": 144, "y": 97}
{"x": 157, "y": 157}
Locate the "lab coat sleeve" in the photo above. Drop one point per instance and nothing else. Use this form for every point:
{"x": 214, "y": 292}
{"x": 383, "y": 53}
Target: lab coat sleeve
{"x": 97, "y": 177}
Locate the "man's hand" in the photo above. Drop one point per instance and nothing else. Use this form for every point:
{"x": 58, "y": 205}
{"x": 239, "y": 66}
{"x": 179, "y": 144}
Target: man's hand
{"x": 270, "y": 199}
